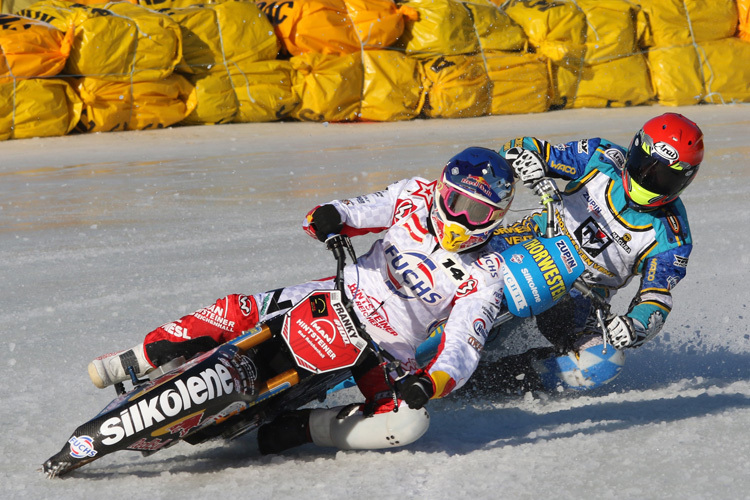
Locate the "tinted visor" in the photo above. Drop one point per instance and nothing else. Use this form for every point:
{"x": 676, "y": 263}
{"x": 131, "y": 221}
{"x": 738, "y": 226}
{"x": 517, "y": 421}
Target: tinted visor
{"x": 656, "y": 176}
{"x": 477, "y": 213}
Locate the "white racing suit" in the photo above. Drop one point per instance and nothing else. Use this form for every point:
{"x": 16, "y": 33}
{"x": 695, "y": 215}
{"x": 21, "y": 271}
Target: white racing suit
{"x": 405, "y": 284}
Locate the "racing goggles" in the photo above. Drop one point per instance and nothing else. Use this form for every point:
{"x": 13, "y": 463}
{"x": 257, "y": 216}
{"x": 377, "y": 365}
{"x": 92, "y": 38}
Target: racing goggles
{"x": 657, "y": 176}
{"x": 477, "y": 212}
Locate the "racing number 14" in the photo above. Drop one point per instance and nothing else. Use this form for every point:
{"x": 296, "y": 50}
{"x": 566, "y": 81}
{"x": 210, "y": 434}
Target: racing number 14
{"x": 455, "y": 271}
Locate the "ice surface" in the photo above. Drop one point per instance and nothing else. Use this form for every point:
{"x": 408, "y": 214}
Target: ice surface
{"x": 105, "y": 236}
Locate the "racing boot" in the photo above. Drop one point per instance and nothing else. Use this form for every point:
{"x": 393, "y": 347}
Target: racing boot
{"x": 112, "y": 368}
{"x": 286, "y": 431}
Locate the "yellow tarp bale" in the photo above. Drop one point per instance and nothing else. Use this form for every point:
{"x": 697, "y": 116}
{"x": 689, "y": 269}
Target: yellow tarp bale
{"x": 37, "y": 108}
{"x": 247, "y": 34}
{"x": 743, "y": 6}
{"x": 726, "y": 70}
{"x": 176, "y": 4}
{"x": 222, "y": 34}
{"x": 713, "y": 72}
{"x": 392, "y": 89}
{"x": 556, "y": 29}
{"x": 216, "y": 101}
{"x": 378, "y": 23}
{"x": 444, "y": 27}
{"x": 611, "y": 29}
{"x": 520, "y": 83}
{"x": 201, "y": 39}
{"x": 675, "y": 74}
{"x": 616, "y": 84}
{"x": 115, "y": 41}
{"x": 558, "y": 32}
{"x": 644, "y": 36}
{"x": 496, "y": 30}
{"x": 110, "y": 106}
{"x": 31, "y": 48}
{"x": 330, "y": 87}
{"x": 13, "y": 6}
{"x": 264, "y": 91}
{"x": 97, "y": 3}
{"x": 457, "y": 87}
{"x": 678, "y": 22}
{"x": 313, "y": 26}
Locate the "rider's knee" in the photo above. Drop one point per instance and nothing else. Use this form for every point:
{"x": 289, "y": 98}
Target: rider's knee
{"x": 357, "y": 432}
{"x": 590, "y": 365}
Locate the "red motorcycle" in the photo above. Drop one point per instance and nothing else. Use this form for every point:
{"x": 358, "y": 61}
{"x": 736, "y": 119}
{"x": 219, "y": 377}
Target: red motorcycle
{"x": 235, "y": 388}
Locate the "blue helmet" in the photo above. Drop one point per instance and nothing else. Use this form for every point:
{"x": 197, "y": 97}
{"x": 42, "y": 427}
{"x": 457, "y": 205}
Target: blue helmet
{"x": 471, "y": 198}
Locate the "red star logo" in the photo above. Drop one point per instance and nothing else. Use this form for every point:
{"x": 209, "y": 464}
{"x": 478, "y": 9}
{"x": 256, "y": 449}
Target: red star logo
{"x": 426, "y": 191}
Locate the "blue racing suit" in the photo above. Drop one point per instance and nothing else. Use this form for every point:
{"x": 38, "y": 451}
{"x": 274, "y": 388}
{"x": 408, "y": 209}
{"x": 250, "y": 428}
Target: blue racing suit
{"x": 615, "y": 238}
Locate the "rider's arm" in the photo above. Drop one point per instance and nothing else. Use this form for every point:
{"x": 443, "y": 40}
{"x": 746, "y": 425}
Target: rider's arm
{"x": 565, "y": 161}
{"x": 465, "y": 334}
{"x": 660, "y": 269}
{"x": 651, "y": 306}
{"x": 375, "y": 212}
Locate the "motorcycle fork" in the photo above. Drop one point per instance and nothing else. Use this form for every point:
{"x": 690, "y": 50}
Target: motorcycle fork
{"x": 254, "y": 338}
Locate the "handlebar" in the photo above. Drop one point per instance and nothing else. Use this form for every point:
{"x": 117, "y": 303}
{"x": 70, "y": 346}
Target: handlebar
{"x": 337, "y": 243}
{"x": 340, "y": 245}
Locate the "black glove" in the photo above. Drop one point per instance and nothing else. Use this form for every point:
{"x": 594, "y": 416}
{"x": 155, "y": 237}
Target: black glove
{"x": 415, "y": 390}
{"x": 326, "y": 220}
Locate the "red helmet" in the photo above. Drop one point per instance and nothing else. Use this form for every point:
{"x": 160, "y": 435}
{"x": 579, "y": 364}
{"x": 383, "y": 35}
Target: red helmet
{"x": 663, "y": 159}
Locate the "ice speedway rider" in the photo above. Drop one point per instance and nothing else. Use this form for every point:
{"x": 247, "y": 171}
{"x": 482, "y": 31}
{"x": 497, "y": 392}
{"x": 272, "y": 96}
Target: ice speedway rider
{"x": 622, "y": 210}
{"x": 430, "y": 263}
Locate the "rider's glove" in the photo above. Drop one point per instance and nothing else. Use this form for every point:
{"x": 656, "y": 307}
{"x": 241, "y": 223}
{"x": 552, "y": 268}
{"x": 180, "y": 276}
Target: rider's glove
{"x": 415, "y": 390}
{"x": 324, "y": 221}
{"x": 625, "y": 332}
{"x": 528, "y": 165}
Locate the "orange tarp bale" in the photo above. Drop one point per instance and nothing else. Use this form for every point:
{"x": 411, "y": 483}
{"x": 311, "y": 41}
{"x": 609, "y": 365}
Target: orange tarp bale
{"x": 743, "y": 7}
{"x": 31, "y": 48}
{"x": 378, "y": 23}
{"x": 313, "y": 26}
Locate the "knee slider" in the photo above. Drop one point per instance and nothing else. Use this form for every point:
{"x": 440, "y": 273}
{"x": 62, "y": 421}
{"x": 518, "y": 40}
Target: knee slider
{"x": 587, "y": 367}
{"x": 356, "y": 432}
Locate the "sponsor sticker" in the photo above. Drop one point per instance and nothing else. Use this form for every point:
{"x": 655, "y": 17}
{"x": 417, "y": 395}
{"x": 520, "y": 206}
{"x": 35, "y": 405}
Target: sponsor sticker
{"x": 480, "y": 328}
{"x": 616, "y": 156}
{"x": 592, "y": 239}
{"x": 82, "y": 447}
{"x": 207, "y": 385}
{"x": 666, "y": 151}
{"x": 490, "y": 263}
{"x": 680, "y": 261}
